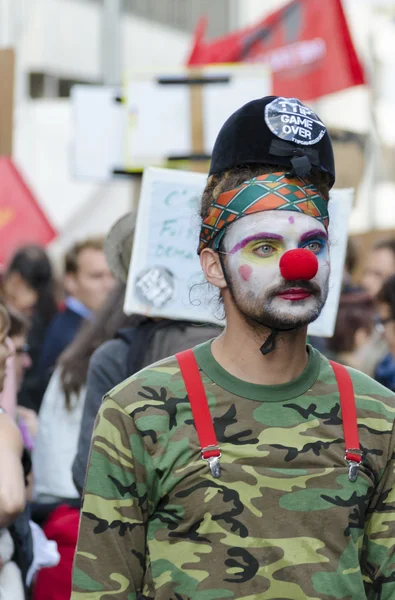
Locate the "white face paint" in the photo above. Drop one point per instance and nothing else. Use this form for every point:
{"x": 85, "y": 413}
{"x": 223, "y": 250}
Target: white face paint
{"x": 254, "y": 245}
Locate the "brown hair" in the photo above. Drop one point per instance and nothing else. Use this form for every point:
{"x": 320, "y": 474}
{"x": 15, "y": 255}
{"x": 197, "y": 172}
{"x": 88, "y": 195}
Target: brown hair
{"x": 387, "y": 293}
{"x": 351, "y": 256}
{"x": 4, "y": 317}
{"x": 33, "y": 265}
{"x": 229, "y": 180}
{"x": 388, "y": 244}
{"x": 19, "y": 324}
{"x": 71, "y": 258}
{"x": 356, "y": 311}
{"x": 74, "y": 361}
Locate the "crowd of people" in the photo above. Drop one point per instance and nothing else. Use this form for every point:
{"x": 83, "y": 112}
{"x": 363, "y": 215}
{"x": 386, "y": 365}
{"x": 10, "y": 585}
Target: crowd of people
{"x": 66, "y": 342}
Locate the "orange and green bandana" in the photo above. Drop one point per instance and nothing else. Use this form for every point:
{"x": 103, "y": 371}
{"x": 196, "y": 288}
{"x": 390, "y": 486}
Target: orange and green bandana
{"x": 274, "y": 191}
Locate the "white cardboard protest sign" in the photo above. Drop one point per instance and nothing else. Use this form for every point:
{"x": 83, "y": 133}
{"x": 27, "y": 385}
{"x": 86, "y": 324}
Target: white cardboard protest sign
{"x": 165, "y": 277}
{"x": 153, "y": 120}
{"x": 160, "y": 113}
{"x": 99, "y": 127}
{"x": 165, "y": 266}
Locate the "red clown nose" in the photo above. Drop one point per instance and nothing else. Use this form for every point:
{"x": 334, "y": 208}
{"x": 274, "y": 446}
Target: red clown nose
{"x": 298, "y": 264}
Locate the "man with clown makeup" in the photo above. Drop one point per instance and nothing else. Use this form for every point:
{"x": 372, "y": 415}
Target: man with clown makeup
{"x": 249, "y": 467}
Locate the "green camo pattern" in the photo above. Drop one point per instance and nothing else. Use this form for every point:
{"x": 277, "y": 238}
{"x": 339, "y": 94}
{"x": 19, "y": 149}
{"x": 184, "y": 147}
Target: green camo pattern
{"x": 282, "y": 523}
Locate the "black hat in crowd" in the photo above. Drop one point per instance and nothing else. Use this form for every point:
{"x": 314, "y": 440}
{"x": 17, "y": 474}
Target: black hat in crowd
{"x": 278, "y": 131}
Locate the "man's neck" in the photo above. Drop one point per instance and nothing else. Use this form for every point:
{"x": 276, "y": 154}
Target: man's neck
{"x": 237, "y": 350}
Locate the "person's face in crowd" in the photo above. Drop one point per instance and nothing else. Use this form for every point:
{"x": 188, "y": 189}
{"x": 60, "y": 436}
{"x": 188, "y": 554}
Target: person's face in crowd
{"x": 380, "y": 266}
{"x": 22, "y": 359}
{"x": 4, "y": 351}
{"x": 19, "y": 295}
{"x": 254, "y": 246}
{"x": 93, "y": 279}
{"x": 388, "y": 321}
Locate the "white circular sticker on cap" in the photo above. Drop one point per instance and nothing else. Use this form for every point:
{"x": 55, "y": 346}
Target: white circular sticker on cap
{"x": 291, "y": 120}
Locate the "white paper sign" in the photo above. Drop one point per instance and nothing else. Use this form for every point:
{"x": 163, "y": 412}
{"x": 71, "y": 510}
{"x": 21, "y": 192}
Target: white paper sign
{"x": 159, "y": 114}
{"x": 99, "y": 126}
{"x": 165, "y": 277}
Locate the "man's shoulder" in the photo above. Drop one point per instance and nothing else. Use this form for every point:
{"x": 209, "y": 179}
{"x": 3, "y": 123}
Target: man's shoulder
{"x": 64, "y": 318}
{"x": 109, "y": 351}
{"x": 372, "y": 399}
{"x": 146, "y": 385}
{"x": 363, "y": 384}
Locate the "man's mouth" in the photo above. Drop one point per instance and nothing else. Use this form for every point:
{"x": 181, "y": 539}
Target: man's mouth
{"x": 294, "y": 294}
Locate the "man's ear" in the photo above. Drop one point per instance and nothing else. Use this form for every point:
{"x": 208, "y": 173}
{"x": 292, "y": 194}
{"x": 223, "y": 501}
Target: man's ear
{"x": 212, "y": 268}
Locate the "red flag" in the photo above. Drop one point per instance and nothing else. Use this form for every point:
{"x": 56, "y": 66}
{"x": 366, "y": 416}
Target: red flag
{"x": 307, "y": 45}
{"x": 21, "y": 219}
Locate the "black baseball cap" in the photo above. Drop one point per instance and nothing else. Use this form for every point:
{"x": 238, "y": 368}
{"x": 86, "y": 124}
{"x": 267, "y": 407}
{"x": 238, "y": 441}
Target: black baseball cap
{"x": 274, "y": 130}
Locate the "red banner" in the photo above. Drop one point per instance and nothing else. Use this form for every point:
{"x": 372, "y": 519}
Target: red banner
{"x": 21, "y": 219}
{"x": 306, "y": 44}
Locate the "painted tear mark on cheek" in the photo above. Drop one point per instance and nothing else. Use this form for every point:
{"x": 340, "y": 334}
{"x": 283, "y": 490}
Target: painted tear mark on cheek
{"x": 245, "y": 272}
{"x": 291, "y": 220}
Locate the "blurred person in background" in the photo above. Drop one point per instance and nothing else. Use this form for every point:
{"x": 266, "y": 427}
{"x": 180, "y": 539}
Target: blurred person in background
{"x": 26, "y": 557}
{"x": 29, "y": 283}
{"x": 12, "y": 485}
{"x": 9, "y": 388}
{"x": 141, "y": 342}
{"x": 380, "y": 265}
{"x": 56, "y": 498}
{"x": 12, "y": 503}
{"x": 19, "y": 330}
{"x": 353, "y": 330}
{"x": 29, "y": 287}
{"x": 385, "y": 370}
{"x": 348, "y": 286}
{"x": 87, "y": 282}
{"x": 61, "y": 410}
{"x": 137, "y": 341}
{"x": 18, "y": 334}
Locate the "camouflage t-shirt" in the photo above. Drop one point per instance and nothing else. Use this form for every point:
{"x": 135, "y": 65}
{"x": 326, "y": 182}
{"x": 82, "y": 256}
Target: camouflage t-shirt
{"x": 282, "y": 522}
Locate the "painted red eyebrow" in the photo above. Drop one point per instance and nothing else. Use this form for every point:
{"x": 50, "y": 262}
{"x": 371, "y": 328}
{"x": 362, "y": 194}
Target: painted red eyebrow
{"x": 257, "y": 236}
{"x": 314, "y": 233}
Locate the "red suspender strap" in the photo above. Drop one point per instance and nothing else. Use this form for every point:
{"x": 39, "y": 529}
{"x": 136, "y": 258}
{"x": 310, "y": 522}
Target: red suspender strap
{"x": 205, "y": 428}
{"x": 349, "y": 415}
{"x": 198, "y": 401}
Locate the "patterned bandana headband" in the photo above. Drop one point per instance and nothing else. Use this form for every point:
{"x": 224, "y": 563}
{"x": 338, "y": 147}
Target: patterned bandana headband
{"x": 274, "y": 191}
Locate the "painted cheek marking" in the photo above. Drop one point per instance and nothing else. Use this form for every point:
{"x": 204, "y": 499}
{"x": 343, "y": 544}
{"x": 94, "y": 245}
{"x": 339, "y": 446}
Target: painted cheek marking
{"x": 245, "y": 272}
{"x": 291, "y": 220}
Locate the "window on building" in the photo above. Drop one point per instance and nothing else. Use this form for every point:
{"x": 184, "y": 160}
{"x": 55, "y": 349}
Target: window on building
{"x": 43, "y": 85}
{"x": 184, "y": 14}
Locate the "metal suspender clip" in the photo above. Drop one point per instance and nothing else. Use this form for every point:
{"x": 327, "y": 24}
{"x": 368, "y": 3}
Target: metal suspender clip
{"x": 353, "y": 454}
{"x": 212, "y": 454}
{"x": 354, "y": 458}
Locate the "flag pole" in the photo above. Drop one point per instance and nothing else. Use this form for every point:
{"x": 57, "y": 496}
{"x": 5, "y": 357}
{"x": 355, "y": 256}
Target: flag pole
{"x": 111, "y": 42}
{"x": 375, "y": 145}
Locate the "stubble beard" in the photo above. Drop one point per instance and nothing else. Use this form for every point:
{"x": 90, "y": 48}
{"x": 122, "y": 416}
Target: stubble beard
{"x": 260, "y": 313}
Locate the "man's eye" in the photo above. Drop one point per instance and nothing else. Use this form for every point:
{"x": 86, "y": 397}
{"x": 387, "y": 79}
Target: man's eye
{"x": 264, "y": 250}
{"x": 315, "y": 247}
